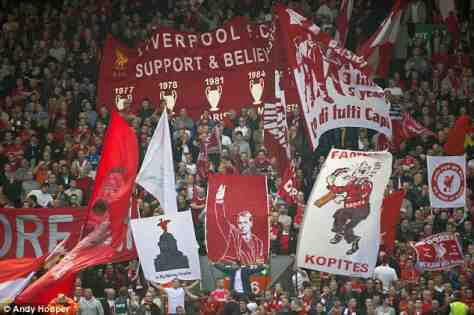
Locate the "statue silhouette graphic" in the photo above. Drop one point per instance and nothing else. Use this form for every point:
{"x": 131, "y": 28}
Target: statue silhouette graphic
{"x": 170, "y": 257}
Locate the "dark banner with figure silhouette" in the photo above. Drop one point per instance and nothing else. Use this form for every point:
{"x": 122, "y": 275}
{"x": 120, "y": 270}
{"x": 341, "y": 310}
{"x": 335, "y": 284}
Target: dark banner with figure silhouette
{"x": 237, "y": 219}
{"x": 167, "y": 247}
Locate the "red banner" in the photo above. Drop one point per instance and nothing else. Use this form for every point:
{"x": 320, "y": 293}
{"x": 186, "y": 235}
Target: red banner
{"x": 438, "y": 252}
{"x": 36, "y": 232}
{"x": 390, "y": 218}
{"x": 214, "y": 71}
{"x": 237, "y": 219}
{"x": 107, "y": 223}
{"x": 288, "y": 189}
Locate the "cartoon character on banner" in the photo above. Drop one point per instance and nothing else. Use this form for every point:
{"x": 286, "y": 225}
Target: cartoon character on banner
{"x": 352, "y": 189}
{"x": 214, "y": 96}
{"x": 256, "y": 89}
{"x": 170, "y": 99}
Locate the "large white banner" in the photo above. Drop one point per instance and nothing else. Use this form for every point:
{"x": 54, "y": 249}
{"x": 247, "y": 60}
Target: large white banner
{"x": 167, "y": 247}
{"x": 333, "y": 95}
{"x": 341, "y": 226}
{"x": 447, "y": 181}
{"x": 332, "y": 82}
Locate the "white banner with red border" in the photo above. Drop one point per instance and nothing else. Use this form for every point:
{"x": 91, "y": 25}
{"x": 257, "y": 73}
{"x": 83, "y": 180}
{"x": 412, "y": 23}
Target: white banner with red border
{"x": 447, "y": 181}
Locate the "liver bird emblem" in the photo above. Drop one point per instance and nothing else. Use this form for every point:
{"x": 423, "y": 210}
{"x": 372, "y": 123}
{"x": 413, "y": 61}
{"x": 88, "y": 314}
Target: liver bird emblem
{"x": 448, "y": 182}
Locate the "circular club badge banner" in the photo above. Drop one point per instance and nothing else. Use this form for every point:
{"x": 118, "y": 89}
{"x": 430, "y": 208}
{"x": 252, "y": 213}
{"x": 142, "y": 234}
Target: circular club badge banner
{"x": 447, "y": 181}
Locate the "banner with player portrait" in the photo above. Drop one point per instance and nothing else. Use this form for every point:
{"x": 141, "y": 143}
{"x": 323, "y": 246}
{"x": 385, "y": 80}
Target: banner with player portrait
{"x": 340, "y": 233}
{"x": 167, "y": 247}
{"x": 213, "y": 71}
{"x": 447, "y": 181}
{"x": 237, "y": 219}
{"x": 332, "y": 82}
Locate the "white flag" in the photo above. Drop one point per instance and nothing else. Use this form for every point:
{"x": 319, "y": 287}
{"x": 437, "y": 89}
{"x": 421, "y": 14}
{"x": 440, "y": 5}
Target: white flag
{"x": 341, "y": 226}
{"x": 447, "y": 181}
{"x": 157, "y": 172}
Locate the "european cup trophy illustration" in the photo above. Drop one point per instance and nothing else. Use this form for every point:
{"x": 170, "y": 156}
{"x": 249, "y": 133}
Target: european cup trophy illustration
{"x": 170, "y": 99}
{"x": 256, "y": 89}
{"x": 213, "y": 97}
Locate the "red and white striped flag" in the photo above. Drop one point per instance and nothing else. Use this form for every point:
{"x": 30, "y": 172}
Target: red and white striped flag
{"x": 275, "y": 127}
{"x": 379, "y": 47}
{"x": 342, "y": 21}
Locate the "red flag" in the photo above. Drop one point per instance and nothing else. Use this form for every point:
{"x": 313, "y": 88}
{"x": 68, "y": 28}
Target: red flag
{"x": 214, "y": 143}
{"x": 209, "y": 143}
{"x": 237, "y": 227}
{"x": 15, "y": 275}
{"x": 407, "y": 128}
{"x": 288, "y": 190}
{"x": 390, "y": 218}
{"x": 455, "y": 141}
{"x": 342, "y": 21}
{"x": 438, "y": 252}
{"x": 108, "y": 213}
{"x": 379, "y": 47}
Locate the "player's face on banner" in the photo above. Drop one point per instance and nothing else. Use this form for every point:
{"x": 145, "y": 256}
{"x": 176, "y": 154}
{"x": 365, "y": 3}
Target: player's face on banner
{"x": 245, "y": 224}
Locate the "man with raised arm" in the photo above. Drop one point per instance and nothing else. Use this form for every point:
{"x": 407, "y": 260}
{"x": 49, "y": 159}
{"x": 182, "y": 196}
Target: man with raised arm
{"x": 241, "y": 244}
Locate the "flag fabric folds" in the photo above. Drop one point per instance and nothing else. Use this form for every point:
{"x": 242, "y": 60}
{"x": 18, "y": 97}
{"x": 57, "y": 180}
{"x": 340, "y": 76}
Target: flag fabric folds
{"x": 438, "y": 252}
{"x": 406, "y": 128}
{"x": 275, "y": 127}
{"x": 156, "y": 174}
{"x": 455, "y": 141}
{"x": 15, "y": 274}
{"x": 390, "y": 218}
{"x": 378, "y": 48}
{"x": 342, "y": 21}
{"x": 333, "y": 88}
{"x": 288, "y": 189}
{"x": 107, "y": 226}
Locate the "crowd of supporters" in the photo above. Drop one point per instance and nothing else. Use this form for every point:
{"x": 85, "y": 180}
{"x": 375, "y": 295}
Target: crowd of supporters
{"x": 51, "y": 133}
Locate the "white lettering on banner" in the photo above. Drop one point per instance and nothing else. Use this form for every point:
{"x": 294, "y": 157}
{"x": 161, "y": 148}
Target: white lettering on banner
{"x": 169, "y": 40}
{"x": 54, "y": 235}
{"x": 196, "y": 63}
{"x": 43, "y": 233}
{"x": 32, "y": 237}
{"x": 246, "y": 56}
{"x": 7, "y": 236}
{"x": 156, "y": 66}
